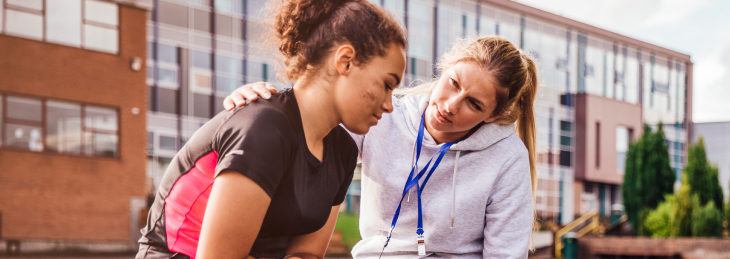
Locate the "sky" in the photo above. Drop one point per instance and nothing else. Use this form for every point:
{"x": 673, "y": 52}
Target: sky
{"x": 699, "y": 28}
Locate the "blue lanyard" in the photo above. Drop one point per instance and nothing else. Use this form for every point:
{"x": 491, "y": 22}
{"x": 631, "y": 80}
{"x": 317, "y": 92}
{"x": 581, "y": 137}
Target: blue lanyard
{"x": 414, "y": 180}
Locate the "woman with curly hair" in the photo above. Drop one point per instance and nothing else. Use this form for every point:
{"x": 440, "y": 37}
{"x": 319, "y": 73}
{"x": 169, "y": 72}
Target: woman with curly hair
{"x": 267, "y": 180}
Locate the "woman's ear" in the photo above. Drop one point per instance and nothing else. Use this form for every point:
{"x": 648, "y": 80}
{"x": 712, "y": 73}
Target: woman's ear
{"x": 344, "y": 57}
{"x": 491, "y": 119}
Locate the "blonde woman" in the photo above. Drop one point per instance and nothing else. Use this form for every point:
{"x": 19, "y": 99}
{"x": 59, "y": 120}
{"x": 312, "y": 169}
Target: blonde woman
{"x": 451, "y": 172}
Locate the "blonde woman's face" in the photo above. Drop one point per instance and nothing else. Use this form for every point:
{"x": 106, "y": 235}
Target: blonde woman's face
{"x": 464, "y": 96}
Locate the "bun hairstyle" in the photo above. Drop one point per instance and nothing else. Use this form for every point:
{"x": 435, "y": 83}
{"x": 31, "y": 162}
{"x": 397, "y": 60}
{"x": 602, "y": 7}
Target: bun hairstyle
{"x": 307, "y": 30}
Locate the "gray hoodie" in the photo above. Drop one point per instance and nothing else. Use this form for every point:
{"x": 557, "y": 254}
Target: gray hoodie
{"x": 482, "y": 185}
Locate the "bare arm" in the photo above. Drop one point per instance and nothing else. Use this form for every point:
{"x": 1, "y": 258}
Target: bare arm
{"x": 233, "y": 217}
{"x": 249, "y": 92}
{"x": 313, "y": 245}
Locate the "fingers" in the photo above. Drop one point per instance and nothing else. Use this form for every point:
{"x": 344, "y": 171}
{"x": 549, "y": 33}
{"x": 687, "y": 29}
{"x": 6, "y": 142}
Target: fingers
{"x": 248, "y": 92}
{"x": 264, "y": 89}
{"x": 228, "y": 103}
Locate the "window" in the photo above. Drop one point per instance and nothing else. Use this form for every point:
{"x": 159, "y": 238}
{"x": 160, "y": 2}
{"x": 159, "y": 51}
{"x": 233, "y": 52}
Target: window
{"x": 201, "y": 20}
{"x": 254, "y": 8}
{"x": 168, "y": 99}
{"x": 566, "y": 126}
{"x": 254, "y": 71}
{"x": 201, "y": 60}
{"x": 26, "y": 109}
{"x": 100, "y": 26}
{"x": 420, "y": 30}
{"x": 23, "y": 21}
{"x": 201, "y": 81}
{"x": 622, "y": 147}
{"x": 150, "y": 142}
{"x": 201, "y": 105}
{"x": 167, "y": 66}
{"x": 167, "y": 143}
{"x": 63, "y": 127}
{"x": 167, "y": 53}
{"x": 396, "y": 8}
{"x": 63, "y": 22}
{"x": 565, "y": 158}
{"x": 100, "y": 131}
{"x": 23, "y": 126}
{"x": 598, "y": 144}
{"x": 565, "y": 141}
{"x": 2, "y": 20}
{"x": 230, "y": 6}
{"x": 58, "y": 127}
{"x": 172, "y": 14}
{"x": 96, "y": 28}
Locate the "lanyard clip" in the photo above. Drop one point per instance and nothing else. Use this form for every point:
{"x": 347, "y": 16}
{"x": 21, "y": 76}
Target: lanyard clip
{"x": 421, "y": 245}
{"x": 388, "y": 238}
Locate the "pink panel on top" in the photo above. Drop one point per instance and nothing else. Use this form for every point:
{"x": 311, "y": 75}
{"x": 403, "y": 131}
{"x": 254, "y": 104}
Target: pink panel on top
{"x": 185, "y": 206}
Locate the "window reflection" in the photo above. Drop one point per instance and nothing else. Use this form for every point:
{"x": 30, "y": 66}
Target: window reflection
{"x": 63, "y": 127}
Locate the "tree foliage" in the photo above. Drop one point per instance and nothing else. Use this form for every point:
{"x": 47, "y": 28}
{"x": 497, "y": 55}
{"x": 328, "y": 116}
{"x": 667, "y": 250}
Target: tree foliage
{"x": 702, "y": 176}
{"x": 659, "y": 221}
{"x": 707, "y": 221}
{"x": 648, "y": 175}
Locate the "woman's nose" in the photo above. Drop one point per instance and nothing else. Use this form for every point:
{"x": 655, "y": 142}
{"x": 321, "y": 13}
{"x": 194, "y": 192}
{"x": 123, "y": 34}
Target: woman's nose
{"x": 451, "y": 105}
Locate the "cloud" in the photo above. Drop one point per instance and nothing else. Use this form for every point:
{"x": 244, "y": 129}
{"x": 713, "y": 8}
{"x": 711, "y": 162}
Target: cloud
{"x": 712, "y": 87}
{"x": 671, "y": 12}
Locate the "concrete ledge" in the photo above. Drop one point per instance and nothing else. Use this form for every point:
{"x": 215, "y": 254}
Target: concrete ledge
{"x": 48, "y": 246}
{"x": 643, "y": 246}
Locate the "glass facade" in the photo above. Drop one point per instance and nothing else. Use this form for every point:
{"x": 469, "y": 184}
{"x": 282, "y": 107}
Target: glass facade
{"x": 193, "y": 63}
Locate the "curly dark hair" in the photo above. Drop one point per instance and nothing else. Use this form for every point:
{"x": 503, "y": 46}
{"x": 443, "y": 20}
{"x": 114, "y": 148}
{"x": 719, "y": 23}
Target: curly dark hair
{"x": 307, "y": 30}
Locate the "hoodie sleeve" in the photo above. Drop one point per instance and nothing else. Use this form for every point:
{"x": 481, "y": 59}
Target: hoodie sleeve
{"x": 509, "y": 211}
{"x": 359, "y": 139}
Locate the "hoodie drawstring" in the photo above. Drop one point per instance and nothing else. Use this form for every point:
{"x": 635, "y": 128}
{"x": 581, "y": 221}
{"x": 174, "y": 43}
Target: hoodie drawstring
{"x": 453, "y": 187}
{"x": 413, "y": 163}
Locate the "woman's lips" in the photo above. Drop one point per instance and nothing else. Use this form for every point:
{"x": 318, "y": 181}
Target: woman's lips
{"x": 441, "y": 118}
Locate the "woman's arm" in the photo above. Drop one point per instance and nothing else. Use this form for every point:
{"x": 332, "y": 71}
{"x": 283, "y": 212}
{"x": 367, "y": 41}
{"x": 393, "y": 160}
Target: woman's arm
{"x": 509, "y": 211}
{"x": 313, "y": 245}
{"x": 233, "y": 217}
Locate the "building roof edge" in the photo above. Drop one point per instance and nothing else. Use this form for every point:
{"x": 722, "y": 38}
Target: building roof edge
{"x": 584, "y": 27}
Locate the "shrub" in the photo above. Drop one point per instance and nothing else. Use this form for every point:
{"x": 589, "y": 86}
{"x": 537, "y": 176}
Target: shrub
{"x": 707, "y": 221}
{"x": 659, "y": 221}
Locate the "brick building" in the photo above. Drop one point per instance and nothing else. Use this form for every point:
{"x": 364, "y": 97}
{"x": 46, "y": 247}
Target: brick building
{"x": 73, "y": 101}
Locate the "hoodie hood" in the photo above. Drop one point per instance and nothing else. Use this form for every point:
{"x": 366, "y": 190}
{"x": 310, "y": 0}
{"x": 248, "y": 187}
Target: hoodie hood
{"x": 484, "y": 137}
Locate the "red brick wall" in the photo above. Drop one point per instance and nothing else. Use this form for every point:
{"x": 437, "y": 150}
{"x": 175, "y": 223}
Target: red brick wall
{"x": 67, "y": 197}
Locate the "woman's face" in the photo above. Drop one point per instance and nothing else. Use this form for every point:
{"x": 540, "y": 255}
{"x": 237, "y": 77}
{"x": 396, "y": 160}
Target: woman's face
{"x": 366, "y": 92}
{"x": 464, "y": 96}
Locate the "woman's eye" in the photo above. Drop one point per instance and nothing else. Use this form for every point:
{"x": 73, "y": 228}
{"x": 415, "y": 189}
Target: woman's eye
{"x": 387, "y": 87}
{"x": 475, "y": 105}
{"x": 453, "y": 82}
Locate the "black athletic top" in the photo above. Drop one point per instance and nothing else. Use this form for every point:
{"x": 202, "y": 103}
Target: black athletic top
{"x": 265, "y": 142}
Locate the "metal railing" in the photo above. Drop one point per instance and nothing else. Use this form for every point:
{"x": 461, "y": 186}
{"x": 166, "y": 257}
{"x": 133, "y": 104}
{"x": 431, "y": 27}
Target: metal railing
{"x": 593, "y": 226}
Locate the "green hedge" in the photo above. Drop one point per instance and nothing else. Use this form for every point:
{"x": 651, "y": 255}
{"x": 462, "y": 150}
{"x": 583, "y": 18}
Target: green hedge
{"x": 348, "y": 225}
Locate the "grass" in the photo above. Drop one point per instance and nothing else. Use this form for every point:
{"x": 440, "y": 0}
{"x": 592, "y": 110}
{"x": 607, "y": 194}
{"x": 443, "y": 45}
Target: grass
{"x": 348, "y": 224}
